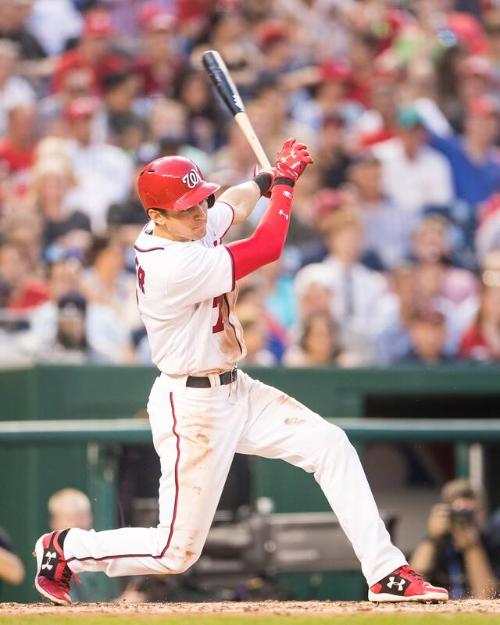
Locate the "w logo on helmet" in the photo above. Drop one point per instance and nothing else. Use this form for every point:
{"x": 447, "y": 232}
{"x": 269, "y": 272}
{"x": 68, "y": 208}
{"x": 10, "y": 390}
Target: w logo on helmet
{"x": 191, "y": 179}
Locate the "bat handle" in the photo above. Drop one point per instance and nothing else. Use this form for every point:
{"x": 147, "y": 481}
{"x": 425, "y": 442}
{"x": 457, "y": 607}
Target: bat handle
{"x": 245, "y": 125}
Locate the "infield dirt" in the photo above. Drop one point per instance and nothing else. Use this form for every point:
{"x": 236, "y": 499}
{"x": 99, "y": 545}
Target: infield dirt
{"x": 469, "y": 612}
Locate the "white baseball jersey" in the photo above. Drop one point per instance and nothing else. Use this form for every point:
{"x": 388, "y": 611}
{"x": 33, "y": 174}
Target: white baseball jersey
{"x": 186, "y": 293}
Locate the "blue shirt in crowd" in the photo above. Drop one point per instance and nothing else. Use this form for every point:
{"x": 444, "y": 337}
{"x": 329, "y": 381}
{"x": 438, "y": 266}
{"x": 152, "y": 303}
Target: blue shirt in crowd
{"x": 474, "y": 181}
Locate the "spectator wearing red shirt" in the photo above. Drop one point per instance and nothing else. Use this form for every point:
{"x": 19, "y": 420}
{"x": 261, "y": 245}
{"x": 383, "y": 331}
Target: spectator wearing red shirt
{"x": 17, "y": 151}
{"x": 25, "y": 290}
{"x": 481, "y": 342}
{"x": 159, "y": 64}
{"x": 93, "y": 51}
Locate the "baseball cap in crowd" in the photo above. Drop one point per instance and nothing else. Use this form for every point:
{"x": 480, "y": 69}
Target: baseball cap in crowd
{"x": 153, "y": 16}
{"x": 270, "y": 32}
{"x": 97, "y": 24}
{"x": 484, "y": 106}
{"x": 72, "y": 302}
{"x": 335, "y": 71}
{"x": 409, "y": 117}
{"x": 81, "y": 107}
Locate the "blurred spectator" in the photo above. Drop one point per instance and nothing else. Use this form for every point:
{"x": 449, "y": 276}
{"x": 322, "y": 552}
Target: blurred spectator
{"x": 69, "y": 508}
{"x": 456, "y": 552}
{"x": 427, "y": 332}
{"x": 25, "y": 290}
{"x": 54, "y": 23}
{"x": 11, "y": 567}
{"x": 313, "y": 290}
{"x": 13, "y": 17}
{"x": 159, "y": 61}
{"x": 17, "y": 150}
{"x": 95, "y": 163}
{"x": 254, "y": 328}
{"x": 481, "y": 341}
{"x": 363, "y": 306}
{"x": 474, "y": 159}
{"x": 332, "y": 157}
{"x": 111, "y": 313}
{"x": 387, "y": 230}
{"x": 488, "y": 232}
{"x": 318, "y": 345}
{"x": 14, "y": 90}
{"x": 94, "y": 52}
{"x": 414, "y": 175}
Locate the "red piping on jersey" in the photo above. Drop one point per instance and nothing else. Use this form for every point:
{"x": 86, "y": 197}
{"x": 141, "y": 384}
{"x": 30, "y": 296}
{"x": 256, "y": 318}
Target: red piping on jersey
{"x": 150, "y": 249}
{"x": 266, "y": 244}
{"x": 233, "y": 279}
{"x": 232, "y": 219}
{"x": 174, "y": 512}
{"x": 230, "y": 322}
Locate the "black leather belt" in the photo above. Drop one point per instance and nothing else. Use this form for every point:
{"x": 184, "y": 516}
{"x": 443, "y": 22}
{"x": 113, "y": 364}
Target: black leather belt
{"x": 204, "y": 382}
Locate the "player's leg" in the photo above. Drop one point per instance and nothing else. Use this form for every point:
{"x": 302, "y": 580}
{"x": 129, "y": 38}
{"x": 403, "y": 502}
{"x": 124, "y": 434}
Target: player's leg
{"x": 195, "y": 432}
{"x": 280, "y": 427}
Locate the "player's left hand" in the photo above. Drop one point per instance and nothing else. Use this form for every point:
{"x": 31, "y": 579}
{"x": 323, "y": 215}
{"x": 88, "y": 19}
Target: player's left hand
{"x": 271, "y": 171}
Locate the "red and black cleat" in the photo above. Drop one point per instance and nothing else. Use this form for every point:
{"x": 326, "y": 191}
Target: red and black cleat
{"x": 53, "y": 575}
{"x": 404, "y": 584}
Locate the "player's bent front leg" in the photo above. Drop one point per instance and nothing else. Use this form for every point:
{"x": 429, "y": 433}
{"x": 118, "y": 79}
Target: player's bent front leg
{"x": 281, "y": 427}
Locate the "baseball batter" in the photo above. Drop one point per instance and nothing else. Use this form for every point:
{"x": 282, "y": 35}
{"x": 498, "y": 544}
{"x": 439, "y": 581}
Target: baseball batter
{"x": 202, "y": 409}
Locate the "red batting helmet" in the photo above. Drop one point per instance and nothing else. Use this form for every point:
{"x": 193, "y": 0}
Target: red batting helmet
{"x": 173, "y": 183}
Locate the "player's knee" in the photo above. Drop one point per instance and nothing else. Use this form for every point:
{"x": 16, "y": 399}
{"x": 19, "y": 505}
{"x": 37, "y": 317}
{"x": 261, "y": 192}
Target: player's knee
{"x": 181, "y": 561}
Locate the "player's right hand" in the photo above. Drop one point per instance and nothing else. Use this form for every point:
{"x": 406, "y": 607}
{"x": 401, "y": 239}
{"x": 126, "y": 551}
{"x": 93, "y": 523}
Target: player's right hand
{"x": 292, "y": 159}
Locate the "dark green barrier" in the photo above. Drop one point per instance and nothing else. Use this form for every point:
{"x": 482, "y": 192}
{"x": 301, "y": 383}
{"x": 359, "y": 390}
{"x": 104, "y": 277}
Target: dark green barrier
{"x": 31, "y": 474}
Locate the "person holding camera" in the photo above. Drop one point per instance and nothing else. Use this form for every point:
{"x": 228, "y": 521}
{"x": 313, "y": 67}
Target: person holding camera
{"x": 457, "y": 552}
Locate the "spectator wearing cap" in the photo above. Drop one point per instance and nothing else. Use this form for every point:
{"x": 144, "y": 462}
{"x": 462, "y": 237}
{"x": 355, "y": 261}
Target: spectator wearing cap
{"x": 159, "y": 61}
{"x": 331, "y": 97}
{"x": 364, "y": 308}
{"x": 93, "y": 51}
{"x": 414, "y": 175}
{"x": 481, "y": 341}
{"x": 387, "y": 230}
{"x": 14, "y": 90}
{"x": 95, "y": 164}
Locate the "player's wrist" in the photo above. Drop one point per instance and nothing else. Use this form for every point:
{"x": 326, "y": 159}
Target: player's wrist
{"x": 290, "y": 182}
{"x": 264, "y": 181}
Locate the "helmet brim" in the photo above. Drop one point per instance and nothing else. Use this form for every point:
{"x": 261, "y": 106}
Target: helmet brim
{"x": 202, "y": 192}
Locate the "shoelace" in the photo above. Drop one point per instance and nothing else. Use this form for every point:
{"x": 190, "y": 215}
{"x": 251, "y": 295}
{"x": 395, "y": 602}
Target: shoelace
{"x": 67, "y": 576}
{"x": 407, "y": 570}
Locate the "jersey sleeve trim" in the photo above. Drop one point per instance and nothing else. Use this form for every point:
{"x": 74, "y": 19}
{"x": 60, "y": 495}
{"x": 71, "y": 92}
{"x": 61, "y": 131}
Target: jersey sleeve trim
{"x": 233, "y": 273}
{"x": 232, "y": 218}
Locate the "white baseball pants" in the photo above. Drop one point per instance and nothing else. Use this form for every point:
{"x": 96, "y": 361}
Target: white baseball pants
{"x": 196, "y": 433}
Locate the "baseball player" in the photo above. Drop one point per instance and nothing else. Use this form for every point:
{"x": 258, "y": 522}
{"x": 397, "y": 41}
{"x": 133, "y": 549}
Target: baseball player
{"x": 202, "y": 409}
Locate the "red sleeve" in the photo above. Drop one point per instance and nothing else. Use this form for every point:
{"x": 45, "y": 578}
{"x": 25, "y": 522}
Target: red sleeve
{"x": 267, "y": 242}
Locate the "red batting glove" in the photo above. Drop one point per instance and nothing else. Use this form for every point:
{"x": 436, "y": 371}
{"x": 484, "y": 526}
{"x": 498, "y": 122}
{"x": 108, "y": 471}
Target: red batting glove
{"x": 292, "y": 160}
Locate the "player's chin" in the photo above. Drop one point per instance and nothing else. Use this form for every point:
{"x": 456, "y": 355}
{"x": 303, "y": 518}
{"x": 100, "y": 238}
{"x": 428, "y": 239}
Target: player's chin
{"x": 200, "y": 231}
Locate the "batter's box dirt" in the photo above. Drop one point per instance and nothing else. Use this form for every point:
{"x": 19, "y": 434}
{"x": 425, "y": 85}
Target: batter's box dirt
{"x": 470, "y": 612}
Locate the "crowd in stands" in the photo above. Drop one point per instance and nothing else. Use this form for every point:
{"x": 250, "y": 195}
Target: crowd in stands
{"x": 393, "y": 254}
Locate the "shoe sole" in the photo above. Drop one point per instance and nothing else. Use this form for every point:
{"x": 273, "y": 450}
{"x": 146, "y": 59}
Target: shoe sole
{"x": 38, "y": 553}
{"x": 430, "y": 597}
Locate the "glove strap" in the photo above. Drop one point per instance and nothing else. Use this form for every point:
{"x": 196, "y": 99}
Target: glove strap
{"x": 287, "y": 181}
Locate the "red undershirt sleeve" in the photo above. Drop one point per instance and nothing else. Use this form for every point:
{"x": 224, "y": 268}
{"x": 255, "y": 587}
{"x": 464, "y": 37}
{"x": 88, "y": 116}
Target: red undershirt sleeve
{"x": 266, "y": 244}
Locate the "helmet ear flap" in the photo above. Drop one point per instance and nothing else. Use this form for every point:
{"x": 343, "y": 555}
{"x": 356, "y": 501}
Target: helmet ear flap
{"x": 211, "y": 200}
